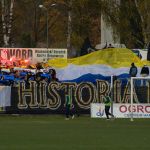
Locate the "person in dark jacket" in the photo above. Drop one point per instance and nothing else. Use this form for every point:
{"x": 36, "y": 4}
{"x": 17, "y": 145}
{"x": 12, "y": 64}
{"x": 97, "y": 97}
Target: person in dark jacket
{"x": 133, "y": 70}
{"x": 144, "y": 71}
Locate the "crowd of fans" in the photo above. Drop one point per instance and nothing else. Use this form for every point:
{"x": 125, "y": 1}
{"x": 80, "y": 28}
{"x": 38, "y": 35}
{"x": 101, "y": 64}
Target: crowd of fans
{"x": 12, "y": 76}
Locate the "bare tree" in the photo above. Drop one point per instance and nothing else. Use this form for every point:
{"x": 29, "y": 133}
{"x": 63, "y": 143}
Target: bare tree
{"x": 143, "y": 8}
{"x": 7, "y": 14}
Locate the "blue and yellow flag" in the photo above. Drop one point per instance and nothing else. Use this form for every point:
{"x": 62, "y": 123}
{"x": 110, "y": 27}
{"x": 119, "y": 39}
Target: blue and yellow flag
{"x": 96, "y": 65}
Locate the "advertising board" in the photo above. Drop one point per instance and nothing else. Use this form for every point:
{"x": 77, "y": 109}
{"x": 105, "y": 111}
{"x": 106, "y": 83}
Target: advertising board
{"x": 34, "y": 55}
{"x": 121, "y": 110}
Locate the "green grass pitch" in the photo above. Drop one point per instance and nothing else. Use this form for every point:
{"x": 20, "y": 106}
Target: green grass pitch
{"x": 53, "y": 132}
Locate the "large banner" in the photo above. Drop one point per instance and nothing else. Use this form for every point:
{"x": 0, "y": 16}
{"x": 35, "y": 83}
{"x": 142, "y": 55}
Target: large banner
{"x": 50, "y": 98}
{"x": 121, "y": 110}
{"x": 33, "y": 54}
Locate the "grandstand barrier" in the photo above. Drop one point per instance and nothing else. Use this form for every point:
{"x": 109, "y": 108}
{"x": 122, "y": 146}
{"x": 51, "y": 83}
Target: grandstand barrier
{"x": 5, "y": 92}
{"x": 37, "y": 98}
{"x": 5, "y": 97}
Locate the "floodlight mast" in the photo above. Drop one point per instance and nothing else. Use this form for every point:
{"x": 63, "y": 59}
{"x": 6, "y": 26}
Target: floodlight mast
{"x": 47, "y": 23}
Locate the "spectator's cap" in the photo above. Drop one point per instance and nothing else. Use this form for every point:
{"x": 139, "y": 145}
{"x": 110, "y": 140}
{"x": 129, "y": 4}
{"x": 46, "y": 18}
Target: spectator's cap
{"x": 132, "y": 64}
